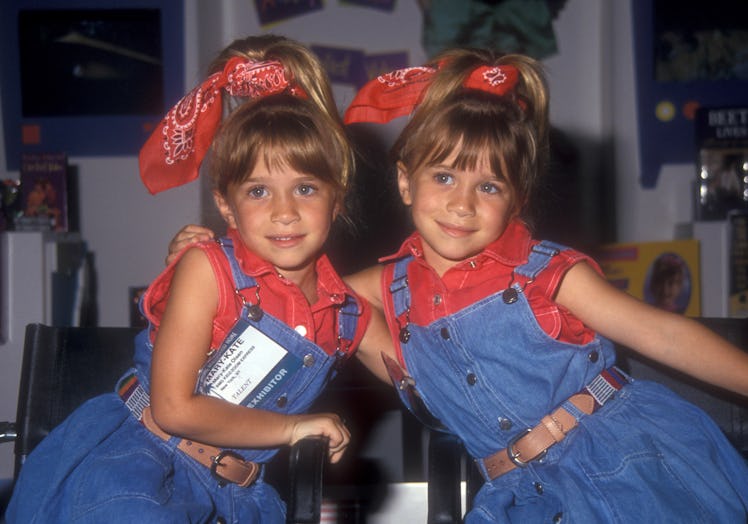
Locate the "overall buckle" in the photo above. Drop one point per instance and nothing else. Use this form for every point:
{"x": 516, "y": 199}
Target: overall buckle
{"x": 215, "y": 462}
{"x": 514, "y": 455}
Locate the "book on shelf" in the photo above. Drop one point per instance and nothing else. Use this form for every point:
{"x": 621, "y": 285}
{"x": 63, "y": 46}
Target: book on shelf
{"x": 44, "y": 192}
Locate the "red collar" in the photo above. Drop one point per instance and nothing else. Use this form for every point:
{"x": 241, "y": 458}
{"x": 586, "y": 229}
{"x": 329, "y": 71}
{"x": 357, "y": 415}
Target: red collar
{"x": 329, "y": 283}
{"x": 512, "y": 248}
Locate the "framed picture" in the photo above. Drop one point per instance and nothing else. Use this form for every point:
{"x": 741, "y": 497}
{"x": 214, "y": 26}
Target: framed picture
{"x": 687, "y": 55}
{"x": 86, "y": 79}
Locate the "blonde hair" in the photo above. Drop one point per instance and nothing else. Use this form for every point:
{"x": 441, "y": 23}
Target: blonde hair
{"x": 304, "y": 67}
{"x": 512, "y": 128}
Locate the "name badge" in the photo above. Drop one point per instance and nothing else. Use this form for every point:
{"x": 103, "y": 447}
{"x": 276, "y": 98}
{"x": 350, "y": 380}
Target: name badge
{"x": 247, "y": 367}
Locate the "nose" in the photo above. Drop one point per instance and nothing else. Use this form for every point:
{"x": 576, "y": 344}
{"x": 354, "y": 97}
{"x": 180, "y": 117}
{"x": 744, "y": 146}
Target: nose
{"x": 284, "y": 210}
{"x": 461, "y": 202}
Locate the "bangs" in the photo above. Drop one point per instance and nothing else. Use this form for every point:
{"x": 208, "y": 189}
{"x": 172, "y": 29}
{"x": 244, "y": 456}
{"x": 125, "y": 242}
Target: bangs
{"x": 471, "y": 145}
{"x": 301, "y": 147}
{"x": 475, "y": 131}
{"x": 282, "y": 132}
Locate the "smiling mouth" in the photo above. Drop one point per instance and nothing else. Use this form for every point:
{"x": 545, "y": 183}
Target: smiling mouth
{"x": 455, "y": 231}
{"x": 286, "y": 240}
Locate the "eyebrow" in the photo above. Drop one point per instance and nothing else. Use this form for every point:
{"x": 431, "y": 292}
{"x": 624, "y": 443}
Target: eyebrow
{"x": 498, "y": 177}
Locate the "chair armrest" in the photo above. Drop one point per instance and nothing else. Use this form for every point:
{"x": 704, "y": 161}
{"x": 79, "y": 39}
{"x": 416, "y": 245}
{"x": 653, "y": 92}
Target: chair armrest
{"x": 8, "y": 431}
{"x": 444, "y": 478}
{"x": 306, "y": 465}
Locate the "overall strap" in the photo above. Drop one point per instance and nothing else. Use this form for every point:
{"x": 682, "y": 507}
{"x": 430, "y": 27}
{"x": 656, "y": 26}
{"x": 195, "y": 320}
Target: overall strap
{"x": 399, "y": 286}
{"x": 540, "y": 256}
{"x": 348, "y": 315}
{"x": 241, "y": 279}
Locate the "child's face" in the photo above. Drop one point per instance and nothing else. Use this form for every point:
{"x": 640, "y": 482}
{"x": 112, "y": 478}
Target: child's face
{"x": 457, "y": 212}
{"x": 282, "y": 215}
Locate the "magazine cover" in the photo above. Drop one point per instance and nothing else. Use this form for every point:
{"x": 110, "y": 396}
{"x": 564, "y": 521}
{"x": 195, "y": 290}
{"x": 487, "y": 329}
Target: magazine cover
{"x": 44, "y": 192}
{"x": 665, "y": 274}
{"x": 722, "y": 163}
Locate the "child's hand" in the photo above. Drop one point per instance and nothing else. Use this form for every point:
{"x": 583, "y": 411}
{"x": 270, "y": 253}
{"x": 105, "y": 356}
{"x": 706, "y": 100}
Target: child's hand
{"x": 190, "y": 234}
{"x": 326, "y": 424}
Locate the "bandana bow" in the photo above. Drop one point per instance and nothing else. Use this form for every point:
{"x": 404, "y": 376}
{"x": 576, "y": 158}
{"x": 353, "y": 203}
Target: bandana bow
{"x": 398, "y": 92}
{"x": 173, "y": 153}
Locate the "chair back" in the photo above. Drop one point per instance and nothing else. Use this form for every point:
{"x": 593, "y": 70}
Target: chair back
{"x": 62, "y": 368}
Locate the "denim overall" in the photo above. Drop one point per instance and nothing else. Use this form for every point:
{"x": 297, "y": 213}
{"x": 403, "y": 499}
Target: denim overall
{"x": 103, "y": 465}
{"x": 489, "y": 372}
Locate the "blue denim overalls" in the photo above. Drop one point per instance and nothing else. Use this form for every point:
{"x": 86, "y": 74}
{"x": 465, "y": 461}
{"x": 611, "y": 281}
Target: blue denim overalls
{"x": 489, "y": 372}
{"x": 103, "y": 465}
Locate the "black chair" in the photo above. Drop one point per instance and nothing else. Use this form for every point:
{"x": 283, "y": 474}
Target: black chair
{"x": 64, "y": 366}
{"x": 449, "y": 464}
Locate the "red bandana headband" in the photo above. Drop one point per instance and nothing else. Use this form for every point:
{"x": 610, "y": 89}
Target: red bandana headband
{"x": 173, "y": 153}
{"x": 398, "y": 93}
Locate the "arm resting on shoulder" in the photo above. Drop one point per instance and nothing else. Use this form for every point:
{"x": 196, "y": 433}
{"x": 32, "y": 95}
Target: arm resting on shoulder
{"x": 189, "y": 234}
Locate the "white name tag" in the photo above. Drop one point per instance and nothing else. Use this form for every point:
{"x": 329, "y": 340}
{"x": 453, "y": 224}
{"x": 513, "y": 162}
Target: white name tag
{"x": 248, "y": 366}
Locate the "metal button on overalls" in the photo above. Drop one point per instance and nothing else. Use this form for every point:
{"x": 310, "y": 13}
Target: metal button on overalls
{"x": 505, "y": 424}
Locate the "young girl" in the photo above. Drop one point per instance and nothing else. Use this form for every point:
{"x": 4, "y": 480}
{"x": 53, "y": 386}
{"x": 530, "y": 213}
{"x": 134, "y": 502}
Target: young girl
{"x": 244, "y": 332}
{"x": 505, "y": 339}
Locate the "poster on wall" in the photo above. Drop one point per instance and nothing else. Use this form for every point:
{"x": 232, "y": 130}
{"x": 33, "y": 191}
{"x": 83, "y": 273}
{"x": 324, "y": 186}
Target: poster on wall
{"x": 664, "y": 274}
{"x": 81, "y": 77}
{"x": 354, "y": 66}
{"x": 383, "y": 5}
{"x": 687, "y": 55}
{"x": 721, "y": 161}
{"x": 279, "y": 10}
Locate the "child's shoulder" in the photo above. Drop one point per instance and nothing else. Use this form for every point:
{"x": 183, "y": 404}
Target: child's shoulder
{"x": 366, "y": 283}
{"x": 561, "y": 259}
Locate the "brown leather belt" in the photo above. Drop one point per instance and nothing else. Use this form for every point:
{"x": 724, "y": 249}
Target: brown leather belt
{"x": 224, "y": 465}
{"x": 534, "y": 443}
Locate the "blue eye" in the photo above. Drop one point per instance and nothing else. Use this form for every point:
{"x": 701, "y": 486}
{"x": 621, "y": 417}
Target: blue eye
{"x": 306, "y": 189}
{"x": 257, "y": 191}
{"x": 443, "y": 178}
{"x": 489, "y": 188}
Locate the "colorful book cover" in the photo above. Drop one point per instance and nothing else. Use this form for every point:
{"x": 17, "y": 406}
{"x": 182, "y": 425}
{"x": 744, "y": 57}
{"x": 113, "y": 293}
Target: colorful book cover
{"x": 722, "y": 162}
{"x": 665, "y": 274}
{"x": 44, "y": 190}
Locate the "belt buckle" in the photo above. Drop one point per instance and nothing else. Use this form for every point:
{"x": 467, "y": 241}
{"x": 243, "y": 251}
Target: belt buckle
{"x": 514, "y": 457}
{"x": 216, "y": 461}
